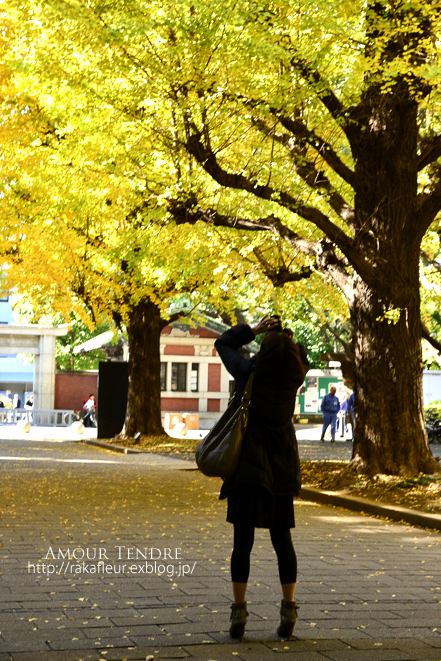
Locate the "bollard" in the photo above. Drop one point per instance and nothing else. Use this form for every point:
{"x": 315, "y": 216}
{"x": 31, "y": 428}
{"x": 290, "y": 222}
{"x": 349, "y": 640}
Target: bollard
{"x": 77, "y": 427}
{"x": 24, "y": 426}
{"x": 180, "y": 429}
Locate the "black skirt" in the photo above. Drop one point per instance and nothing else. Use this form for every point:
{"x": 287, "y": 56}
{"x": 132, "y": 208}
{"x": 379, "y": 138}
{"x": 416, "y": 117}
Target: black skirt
{"x": 255, "y": 506}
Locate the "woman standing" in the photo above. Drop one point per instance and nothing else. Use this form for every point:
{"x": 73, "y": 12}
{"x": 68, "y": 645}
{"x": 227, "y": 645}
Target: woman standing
{"x": 260, "y": 493}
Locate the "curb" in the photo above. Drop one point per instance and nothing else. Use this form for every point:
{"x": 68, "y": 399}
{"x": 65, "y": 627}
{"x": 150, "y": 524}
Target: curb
{"x": 356, "y": 504}
{"x": 111, "y": 446}
{"x": 123, "y": 450}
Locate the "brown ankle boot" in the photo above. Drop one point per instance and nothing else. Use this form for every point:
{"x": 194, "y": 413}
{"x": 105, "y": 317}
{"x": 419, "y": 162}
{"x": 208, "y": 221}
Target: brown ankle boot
{"x": 288, "y": 618}
{"x": 238, "y": 619}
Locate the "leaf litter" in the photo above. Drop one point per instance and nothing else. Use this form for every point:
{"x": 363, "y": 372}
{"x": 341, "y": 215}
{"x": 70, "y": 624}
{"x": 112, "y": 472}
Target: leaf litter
{"x": 422, "y": 492}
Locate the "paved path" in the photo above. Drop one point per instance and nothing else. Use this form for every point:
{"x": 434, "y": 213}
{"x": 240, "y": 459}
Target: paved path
{"x": 368, "y": 589}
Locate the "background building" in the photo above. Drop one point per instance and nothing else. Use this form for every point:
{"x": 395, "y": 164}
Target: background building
{"x": 16, "y": 375}
{"x": 193, "y": 378}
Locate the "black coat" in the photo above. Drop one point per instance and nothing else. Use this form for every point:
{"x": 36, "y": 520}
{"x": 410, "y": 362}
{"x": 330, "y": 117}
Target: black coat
{"x": 270, "y": 457}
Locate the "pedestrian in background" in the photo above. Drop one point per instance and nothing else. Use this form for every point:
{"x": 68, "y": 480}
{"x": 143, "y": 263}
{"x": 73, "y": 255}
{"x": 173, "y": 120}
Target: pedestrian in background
{"x": 330, "y": 407}
{"x": 89, "y": 407}
{"x": 260, "y": 493}
{"x": 351, "y": 413}
{"x": 344, "y": 416}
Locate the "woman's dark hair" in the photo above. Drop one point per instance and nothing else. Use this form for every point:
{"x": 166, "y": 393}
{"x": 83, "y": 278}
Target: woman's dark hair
{"x": 278, "y": 327}
{"x": 279, "y": 357}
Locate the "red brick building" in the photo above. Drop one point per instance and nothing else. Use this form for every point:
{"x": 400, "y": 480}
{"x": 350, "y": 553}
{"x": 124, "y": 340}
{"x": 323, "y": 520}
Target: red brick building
{"x": 72, "y": 388}
{"x": 193, "y": 378}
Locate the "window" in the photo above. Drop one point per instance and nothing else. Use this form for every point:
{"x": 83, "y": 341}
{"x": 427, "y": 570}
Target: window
{"x": 163, "y": 376}
{"x": 194, "y": 377}
{"x": 179, "y": 377}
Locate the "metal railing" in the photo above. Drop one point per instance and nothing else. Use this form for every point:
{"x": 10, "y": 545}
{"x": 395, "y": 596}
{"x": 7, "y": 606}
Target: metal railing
{"x": 38, "y": 417}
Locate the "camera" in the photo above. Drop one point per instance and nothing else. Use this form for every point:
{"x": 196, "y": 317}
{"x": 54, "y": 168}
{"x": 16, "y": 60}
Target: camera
{"x": 278, "y": 327}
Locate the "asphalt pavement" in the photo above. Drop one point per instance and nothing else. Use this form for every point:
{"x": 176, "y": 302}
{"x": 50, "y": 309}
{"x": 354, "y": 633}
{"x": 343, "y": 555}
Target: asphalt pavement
{"x": 126, "y": 556}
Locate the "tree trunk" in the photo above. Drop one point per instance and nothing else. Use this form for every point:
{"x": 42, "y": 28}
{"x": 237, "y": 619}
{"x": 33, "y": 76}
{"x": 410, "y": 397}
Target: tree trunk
{"x": 143, "y": 413}
{"x": 385, "y": 310}
{"x": 389, "y": 423}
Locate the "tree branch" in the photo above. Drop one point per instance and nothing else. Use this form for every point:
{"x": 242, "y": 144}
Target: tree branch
{"x": 428, "y": 260}
{"x": 429, "y": 204}
{"x": 323, "y": 148}
{"x": 173, "y": 317}
{"x": 429, "y": 337}
{"x": 323, "y": 250}
{"x": 347, "y": 346}
{"x": 326, "y": 95}
{"x": 207, "y": 159}
{"x": 316, "y": 179}
{"x": 334, "y": 234}
{"x": 301, "y": 131}
{"x": 189, "y": 212}
{"x": 431, "y": 151}
{"x": 280, "y": 276}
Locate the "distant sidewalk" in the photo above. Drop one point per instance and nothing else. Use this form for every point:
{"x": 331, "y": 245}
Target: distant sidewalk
{"x": 304, "y": 432}
{"x": 312, "y": 432}
{"x": 11, "y": 432}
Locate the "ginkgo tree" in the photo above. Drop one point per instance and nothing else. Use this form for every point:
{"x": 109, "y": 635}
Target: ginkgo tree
{"x": 327, "y": 116}
{"x": 83, "y": 232}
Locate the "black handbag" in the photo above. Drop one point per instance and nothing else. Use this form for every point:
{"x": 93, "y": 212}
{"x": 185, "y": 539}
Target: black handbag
{"x": 217, "y": 455}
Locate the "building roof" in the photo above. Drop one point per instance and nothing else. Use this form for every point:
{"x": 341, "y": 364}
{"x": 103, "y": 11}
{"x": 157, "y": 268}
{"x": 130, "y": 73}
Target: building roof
{"x": 104, "y": 340}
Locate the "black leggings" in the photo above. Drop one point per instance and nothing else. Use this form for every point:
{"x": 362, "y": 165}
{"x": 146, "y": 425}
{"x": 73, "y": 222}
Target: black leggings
{"x": 243, "y": 544}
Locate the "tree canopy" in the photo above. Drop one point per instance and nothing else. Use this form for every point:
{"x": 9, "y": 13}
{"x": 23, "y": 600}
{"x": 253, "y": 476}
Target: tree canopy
{"x": 314, "y": 129}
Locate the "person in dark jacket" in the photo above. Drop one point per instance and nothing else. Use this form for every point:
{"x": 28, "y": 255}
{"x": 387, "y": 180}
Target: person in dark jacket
{"x": 330, "y": 407}
{"x": 260, "y": 493}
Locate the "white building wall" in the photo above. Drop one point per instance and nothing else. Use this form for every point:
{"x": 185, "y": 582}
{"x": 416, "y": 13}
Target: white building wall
{"x": 16, "y": 375}
{"x": 5, "y": 311}
{"x": 431, "y": 386}
{"x": 40, "y": 341}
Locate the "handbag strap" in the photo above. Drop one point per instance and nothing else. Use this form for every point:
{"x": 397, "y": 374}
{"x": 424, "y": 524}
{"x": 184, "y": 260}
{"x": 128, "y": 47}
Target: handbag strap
{"x": 246, "y": 397}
